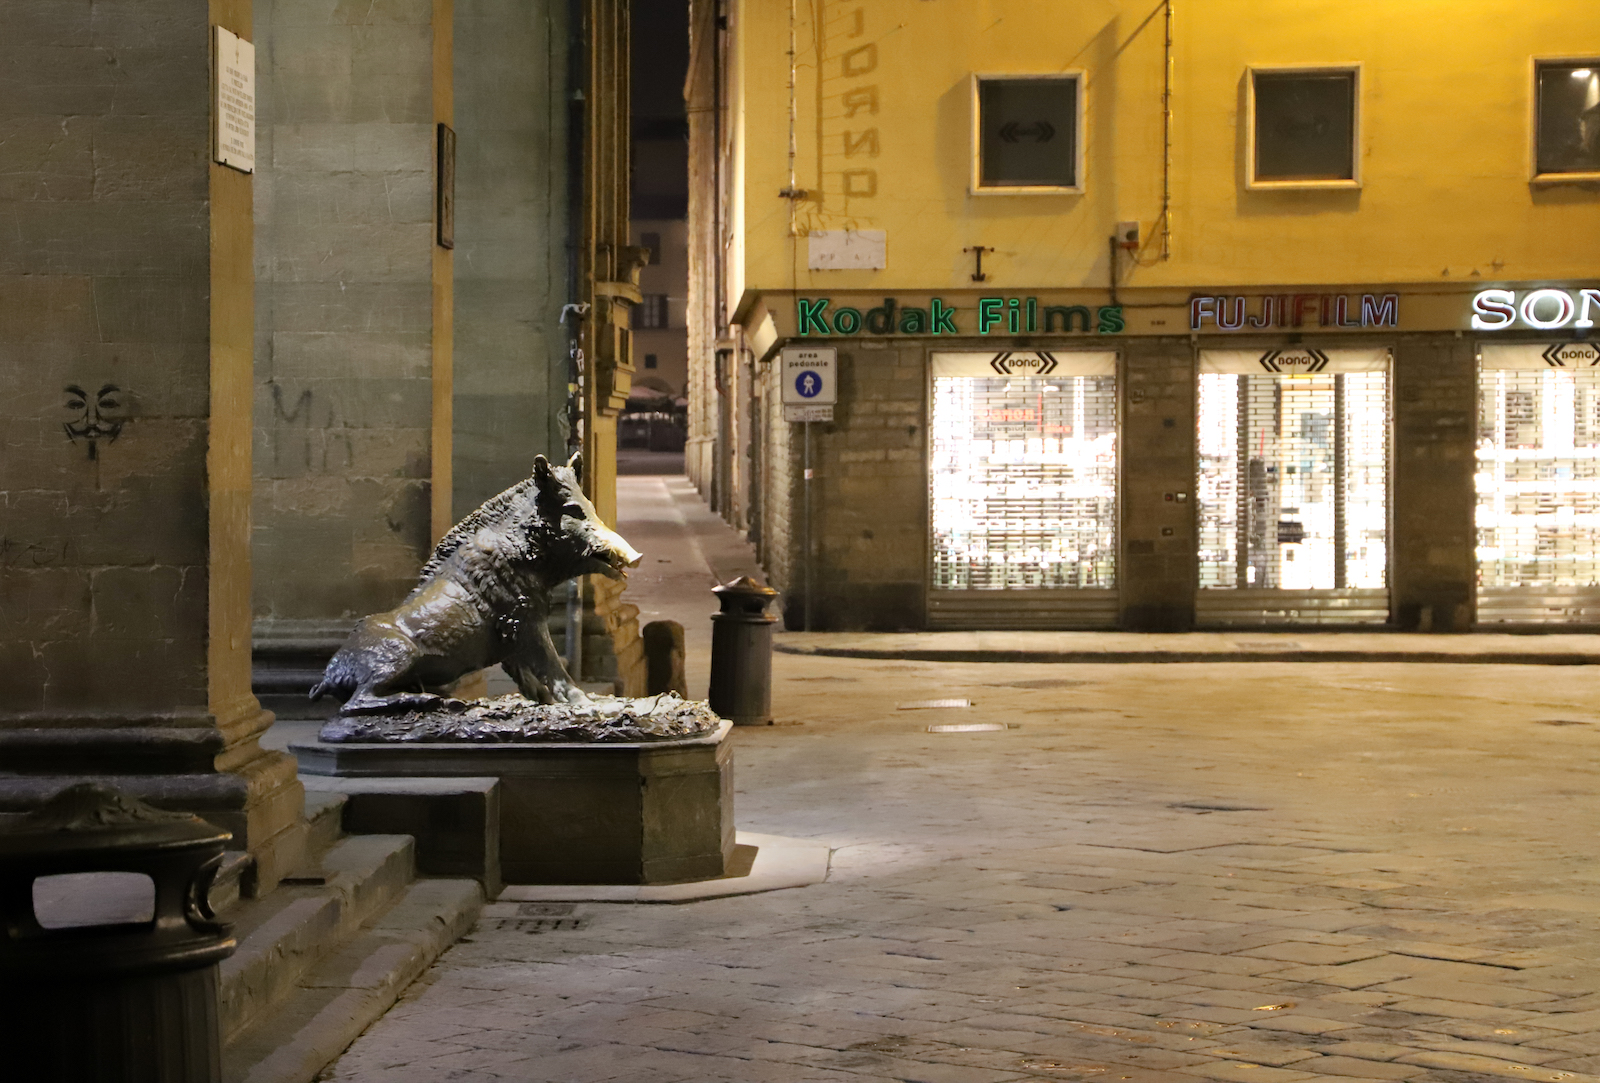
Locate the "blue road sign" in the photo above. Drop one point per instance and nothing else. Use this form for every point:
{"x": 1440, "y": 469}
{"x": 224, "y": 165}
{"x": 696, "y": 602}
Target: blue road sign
{"x": 808, "y": 385}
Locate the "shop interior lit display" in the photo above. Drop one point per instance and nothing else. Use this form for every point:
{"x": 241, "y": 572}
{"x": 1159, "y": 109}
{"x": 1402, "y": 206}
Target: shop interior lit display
{"x": 1293, "y": 480}
{"x": 1023, "y": 478}
{"x": 1538, "y": 486}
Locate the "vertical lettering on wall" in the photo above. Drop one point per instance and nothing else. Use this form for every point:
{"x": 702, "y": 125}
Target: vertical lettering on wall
{"x": 861, "y": 99}
{"x": 843, "y": 149}
{"x": 864, "y": 143}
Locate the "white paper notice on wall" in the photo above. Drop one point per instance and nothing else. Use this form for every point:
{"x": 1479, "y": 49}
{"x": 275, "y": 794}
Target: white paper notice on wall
{"x": 233, "y": 101}
{"x": 846, "y": 250}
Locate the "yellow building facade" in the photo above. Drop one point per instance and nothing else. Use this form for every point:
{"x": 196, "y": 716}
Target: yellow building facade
{"x": 1154, "y": 315}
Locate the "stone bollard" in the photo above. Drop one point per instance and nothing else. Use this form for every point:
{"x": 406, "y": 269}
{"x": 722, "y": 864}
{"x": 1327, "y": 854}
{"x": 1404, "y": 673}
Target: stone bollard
{"x": 741, "y": 653}
{"x": 108, "y": 946}
{"x": 663, "y": 656}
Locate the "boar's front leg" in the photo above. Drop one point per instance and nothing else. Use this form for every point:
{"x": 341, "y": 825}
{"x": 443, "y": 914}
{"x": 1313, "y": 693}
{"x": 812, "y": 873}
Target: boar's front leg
{"x": 533, "y": 663}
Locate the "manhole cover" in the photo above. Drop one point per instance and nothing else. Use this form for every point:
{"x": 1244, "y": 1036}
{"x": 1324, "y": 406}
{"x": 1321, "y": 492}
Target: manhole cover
{"x": 928, "y": 704}
{"x": 1560, "y": 722}
{"x": 1042, "y": 683}
{"x": 969, "y": 727}
{"x": 1266, "y": 645}
{"x": 1217, "y": 806}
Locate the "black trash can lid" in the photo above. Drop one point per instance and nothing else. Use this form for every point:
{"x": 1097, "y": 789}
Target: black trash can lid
{"x": 91, "y": 817}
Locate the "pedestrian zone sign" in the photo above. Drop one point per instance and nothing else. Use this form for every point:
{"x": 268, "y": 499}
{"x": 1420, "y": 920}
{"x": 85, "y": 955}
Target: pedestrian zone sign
{"x": 808, "y": 376}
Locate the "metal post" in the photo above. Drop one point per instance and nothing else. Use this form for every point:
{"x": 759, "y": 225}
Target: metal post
{"x": 1339, "y": 537}
{"x": 806, "y": 518}
{"x": 575, "y": 630}
{"x": 1241, "y": 536}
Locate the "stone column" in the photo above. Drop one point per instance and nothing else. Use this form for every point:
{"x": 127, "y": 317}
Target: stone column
{"x": 512, "y": 241}
{"x": 1156, "y": 567}
{"x": 126, "y": 304}
{"x": 353, "y": 328}
{"x": 1431, "y": 494}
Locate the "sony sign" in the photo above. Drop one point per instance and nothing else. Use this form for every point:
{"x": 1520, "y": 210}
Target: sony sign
{"x": 1543, "y": 310}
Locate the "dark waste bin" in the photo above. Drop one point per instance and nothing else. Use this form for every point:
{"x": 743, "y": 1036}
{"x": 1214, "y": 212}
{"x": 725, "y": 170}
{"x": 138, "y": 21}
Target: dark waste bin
{"x": 741, "y": 653}
{"x": 109, "y": 947}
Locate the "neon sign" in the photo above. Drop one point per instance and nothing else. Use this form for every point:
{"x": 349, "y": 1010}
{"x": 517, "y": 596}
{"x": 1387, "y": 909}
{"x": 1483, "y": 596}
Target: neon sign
{"x": 996, "y": 315}
{"x": 1543, "y": 310}
{"x": 1234, "y": 313}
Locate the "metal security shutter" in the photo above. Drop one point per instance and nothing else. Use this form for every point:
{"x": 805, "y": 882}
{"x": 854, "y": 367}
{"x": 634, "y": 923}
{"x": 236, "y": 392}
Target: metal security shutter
{"x": 1538, "y": 485}
{"x": 1292, "y": 489}
{"x": 1022, "y": 485}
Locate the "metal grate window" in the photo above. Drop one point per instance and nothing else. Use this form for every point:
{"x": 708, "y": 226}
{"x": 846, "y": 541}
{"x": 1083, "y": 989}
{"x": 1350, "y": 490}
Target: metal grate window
{"x": 1293, "y": 480}
{"x": 1538, "y": 478}
{"x": 1023, "y": 479}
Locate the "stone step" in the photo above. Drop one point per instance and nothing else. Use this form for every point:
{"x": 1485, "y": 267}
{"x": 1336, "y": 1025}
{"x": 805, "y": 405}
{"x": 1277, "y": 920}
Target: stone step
{"x": 284, "y": 935}
{"x": 350, "y": 988}
{"x": 324, "y": 820}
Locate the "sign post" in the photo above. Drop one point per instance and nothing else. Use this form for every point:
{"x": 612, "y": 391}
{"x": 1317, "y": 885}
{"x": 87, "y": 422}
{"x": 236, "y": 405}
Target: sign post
{"x": 810, "y": 390}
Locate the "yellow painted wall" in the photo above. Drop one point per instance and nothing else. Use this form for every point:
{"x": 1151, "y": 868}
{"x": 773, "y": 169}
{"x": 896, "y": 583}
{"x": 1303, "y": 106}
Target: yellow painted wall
{"x": 1445, "y": 131}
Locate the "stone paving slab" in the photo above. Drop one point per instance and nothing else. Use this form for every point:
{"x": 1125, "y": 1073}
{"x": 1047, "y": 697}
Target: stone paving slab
{"x": 1165, "y": 874}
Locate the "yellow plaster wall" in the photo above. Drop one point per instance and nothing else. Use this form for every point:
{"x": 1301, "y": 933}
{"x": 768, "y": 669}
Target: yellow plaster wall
{"x": 1444, "y": 148}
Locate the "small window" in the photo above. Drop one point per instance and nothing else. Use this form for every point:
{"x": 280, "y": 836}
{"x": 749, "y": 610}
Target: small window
{"x": 652, "y": 241}
{"x": 1027, "y": 134}
{"x": 649, "y": 360}
{"x": 1567, "y": 133}
{"x": 652, "y": 312}
{"x": 1304, "y": 128}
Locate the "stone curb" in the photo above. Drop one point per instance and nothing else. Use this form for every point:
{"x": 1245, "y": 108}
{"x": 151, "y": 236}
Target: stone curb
{"x": 779, "y": 863}
{"x": 1106, "y": 657}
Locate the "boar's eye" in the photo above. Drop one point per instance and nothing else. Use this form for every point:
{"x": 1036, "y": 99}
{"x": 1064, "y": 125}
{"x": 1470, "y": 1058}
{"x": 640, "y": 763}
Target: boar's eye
{"x": 573, "y": 510}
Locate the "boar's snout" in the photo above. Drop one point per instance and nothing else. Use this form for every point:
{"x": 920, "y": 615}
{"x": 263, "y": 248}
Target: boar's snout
{"x": 620, "y": 556}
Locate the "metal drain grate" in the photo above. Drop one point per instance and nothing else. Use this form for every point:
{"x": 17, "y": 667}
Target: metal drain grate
{"x": 536, "y": 918}
{"x": 930, "y": 704}
{"x": 969, "y": 727}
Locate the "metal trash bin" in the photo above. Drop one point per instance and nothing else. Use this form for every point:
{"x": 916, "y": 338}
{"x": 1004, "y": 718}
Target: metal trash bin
{"x": 741, "y": 653}
{"x": 108, "y": 944}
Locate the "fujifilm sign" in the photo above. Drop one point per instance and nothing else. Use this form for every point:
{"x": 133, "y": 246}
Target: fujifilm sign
{"x": 1542, "y": 310}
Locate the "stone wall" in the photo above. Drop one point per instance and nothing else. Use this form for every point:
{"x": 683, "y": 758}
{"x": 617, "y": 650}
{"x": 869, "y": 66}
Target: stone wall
{"x": 511, "y": 259}
{"x": 1432, "y": 495}
{"x": 869, "y": 498}
{"x": 1156, "y": 567}
{"x": 344, "y": 323}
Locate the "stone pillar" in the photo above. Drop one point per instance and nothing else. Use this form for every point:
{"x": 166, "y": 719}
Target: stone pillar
{"x": 1432, "y": 496}
{"x": 353, "y": 328}
{"x": 125, "y": 294}
{"x": 512, "y": 238}
{"x": 1156, "y": 567}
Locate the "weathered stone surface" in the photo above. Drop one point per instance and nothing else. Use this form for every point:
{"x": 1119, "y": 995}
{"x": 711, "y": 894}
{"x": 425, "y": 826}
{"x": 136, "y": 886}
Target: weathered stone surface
{"x": 513, "y": 719}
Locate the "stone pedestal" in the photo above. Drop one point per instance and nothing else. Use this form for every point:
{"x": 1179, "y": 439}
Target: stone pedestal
{"x": 126, "y": 295}
{"x": 605, "y": 813}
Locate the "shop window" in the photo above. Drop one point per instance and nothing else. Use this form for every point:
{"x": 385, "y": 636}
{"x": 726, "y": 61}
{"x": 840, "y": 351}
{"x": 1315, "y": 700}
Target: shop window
{"x": 651, "y": 241}
{"x": 1023, "y": 475}
{"x": 1304, "y": 127}
{"x": 1293, "y": 477}
{"x": 1538, "y": 486}
{"x": 652, "y": 312}
{"x": 1567, "y": 133}
{"x": 1027, "y": 134}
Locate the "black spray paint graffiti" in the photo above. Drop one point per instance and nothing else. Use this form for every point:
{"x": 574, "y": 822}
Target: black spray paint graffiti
{"x": 99, "y": 416}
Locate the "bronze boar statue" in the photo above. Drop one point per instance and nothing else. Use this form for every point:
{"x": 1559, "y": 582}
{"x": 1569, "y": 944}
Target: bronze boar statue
{"x": 481, "y": 600}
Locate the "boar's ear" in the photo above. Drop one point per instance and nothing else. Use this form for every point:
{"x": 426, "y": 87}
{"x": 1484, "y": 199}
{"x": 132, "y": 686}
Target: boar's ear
{"x": 575, "y": 464}
{"x": 544, "y": 477}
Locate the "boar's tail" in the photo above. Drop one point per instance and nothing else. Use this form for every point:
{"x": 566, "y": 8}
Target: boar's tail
{"x": 339, "y": 679}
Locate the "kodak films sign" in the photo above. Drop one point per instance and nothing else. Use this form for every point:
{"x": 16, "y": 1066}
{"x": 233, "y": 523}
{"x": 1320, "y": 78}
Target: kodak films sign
{"x": 817, "y": 316}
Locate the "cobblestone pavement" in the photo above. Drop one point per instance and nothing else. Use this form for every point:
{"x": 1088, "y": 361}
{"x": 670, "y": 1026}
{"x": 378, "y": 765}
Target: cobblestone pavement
{"x": 1154, "y": 874}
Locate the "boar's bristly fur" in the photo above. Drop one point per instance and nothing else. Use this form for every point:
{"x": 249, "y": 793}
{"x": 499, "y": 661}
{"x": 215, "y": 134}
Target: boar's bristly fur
{"x": 483, "y": 599}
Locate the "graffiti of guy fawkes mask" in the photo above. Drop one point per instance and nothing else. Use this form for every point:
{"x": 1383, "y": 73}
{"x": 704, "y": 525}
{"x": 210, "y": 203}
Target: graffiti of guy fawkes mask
{"x": 99, "y": 416}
